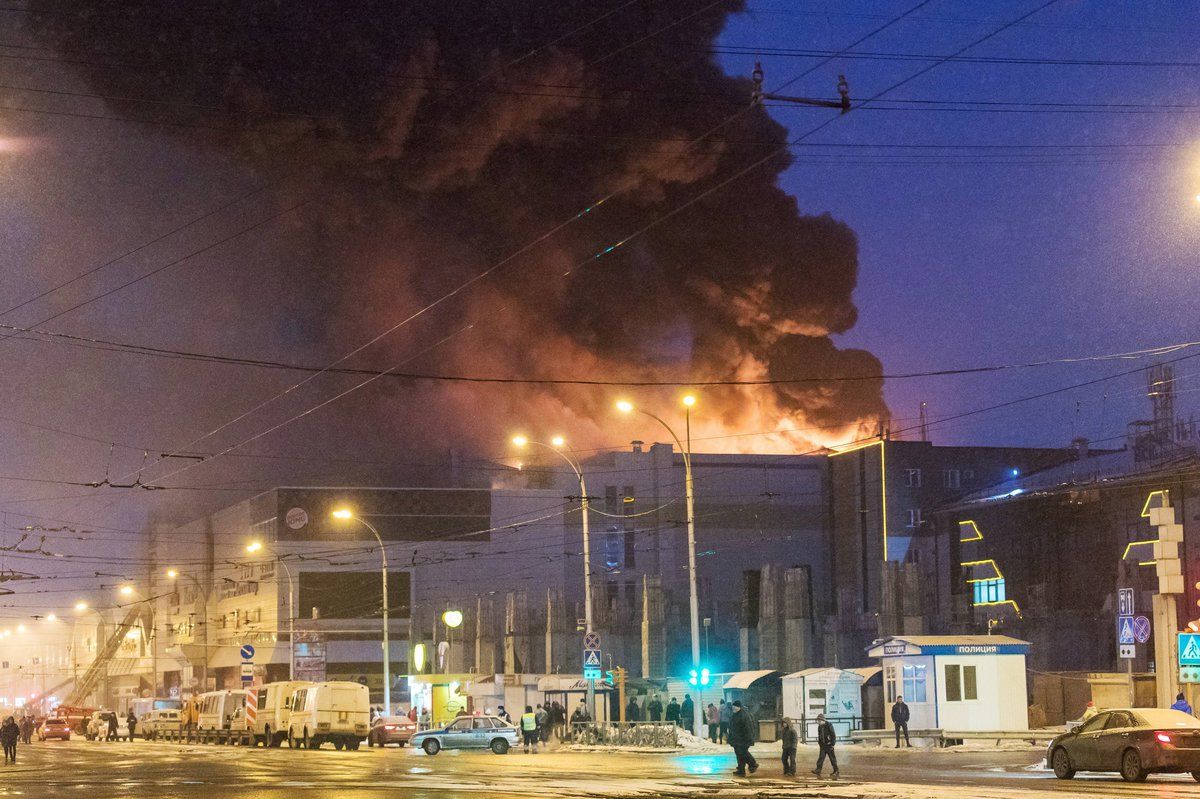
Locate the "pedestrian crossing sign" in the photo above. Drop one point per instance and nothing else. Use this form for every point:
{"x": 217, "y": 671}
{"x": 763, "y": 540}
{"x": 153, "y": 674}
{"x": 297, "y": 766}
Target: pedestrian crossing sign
{"x": 1189, "y": 649}
{"x": 1125, "y": 630}
{"x": 591, "y": 658}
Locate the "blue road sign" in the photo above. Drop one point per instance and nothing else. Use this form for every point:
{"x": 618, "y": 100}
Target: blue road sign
{"x": 1141, "y": 629}
{"x": 591, "y": 664}
{"x": 1189, "y": 649}
{"x": 1125, "y": 630}
{"x": 247, "y": 652}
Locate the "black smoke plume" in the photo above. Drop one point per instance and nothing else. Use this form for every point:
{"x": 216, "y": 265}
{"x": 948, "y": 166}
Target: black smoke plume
{"x": 437, "y": 138}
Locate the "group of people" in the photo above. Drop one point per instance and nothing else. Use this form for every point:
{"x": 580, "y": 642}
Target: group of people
{"x": 537, "y": 724}
{"x": 679, "y": 713}
{"x": 13, "y": 731}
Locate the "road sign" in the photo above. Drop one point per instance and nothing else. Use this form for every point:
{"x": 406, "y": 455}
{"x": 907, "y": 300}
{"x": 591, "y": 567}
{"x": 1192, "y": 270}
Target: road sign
{"x": 1128, "y": 651}
{"x": 247, "y": 652}
{"x": 251, "y": 707}
{"x": 591, "y": 642}
{"x": 1124, "y": 601}
{"x": 1189, "y": 649}
{"x": 247, "y": 672}
{"x": 1125, "y": 630}
{"x": 1141, "y": 629}
{"x": 591, "y": 664}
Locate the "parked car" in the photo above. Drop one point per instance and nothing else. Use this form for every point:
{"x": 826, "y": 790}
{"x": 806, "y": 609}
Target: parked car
{"x": 468, "y": 732}
{"x": 155, "y": 722}
{"x": 338, "y": 712}
{"x": 55, "y": 727}
{"x": 391, "y": 730}
{"x": 1132, "y": 741}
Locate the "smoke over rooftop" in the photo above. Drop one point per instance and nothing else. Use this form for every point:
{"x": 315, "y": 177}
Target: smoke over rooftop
{"x": 433, "y": 139}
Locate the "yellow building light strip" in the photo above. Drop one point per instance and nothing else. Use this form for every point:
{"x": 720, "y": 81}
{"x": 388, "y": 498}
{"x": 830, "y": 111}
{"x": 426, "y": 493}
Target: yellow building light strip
{"x": 1133, "y": 544}
{"x": 1164, "y": 496}
{"x": 855, "y": 447}
{"x": 1011, "y": 602}
{"x": 969, "y": 526}
{"x": 989, "y": 562}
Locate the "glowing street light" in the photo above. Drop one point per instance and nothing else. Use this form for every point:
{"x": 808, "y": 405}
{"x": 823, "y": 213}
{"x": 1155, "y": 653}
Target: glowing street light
{"x": 452, "y": 619}
{"x": 254, "y": 546}
{"x": 20, "y": 628}
{"x": 257, "y": 546}
{"x": 688, "y": 401}
{"x": 348, "y": 514}
{"x": 127, "y": 590}
{"x": 519, "y": 441}
{"x": 558, "y": 441}
{"x": 81, "y": 606}
{"x": 51, "y": 617}
{"x": 172, "y": 574}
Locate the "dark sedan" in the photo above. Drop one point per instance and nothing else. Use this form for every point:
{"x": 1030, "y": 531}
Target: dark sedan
{"x": 1134, "y": 742}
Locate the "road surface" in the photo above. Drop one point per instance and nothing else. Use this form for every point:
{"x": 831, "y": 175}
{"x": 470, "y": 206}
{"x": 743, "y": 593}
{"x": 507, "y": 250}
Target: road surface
{"x": 147, "y": 770}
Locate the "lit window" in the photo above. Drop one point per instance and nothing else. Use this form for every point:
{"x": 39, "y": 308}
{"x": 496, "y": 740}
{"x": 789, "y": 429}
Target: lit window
{"x": 912, "y": 478}
{"x": 989, "y": 591}
{"x": 914, "y": 682}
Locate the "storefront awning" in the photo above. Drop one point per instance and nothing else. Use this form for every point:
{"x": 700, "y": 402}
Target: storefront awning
{"x": 567, "y": 683}
{"x": 745, "y": 679}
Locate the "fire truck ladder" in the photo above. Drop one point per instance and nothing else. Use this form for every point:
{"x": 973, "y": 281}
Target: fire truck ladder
{"x": 99, "y": 667}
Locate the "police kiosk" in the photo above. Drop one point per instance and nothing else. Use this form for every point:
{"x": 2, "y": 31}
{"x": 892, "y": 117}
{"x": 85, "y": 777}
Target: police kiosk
{"x": 959, "y": 683}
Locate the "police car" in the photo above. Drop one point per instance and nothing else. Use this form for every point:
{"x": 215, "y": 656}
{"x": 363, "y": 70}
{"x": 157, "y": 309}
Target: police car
{"x": 469, "y": 732}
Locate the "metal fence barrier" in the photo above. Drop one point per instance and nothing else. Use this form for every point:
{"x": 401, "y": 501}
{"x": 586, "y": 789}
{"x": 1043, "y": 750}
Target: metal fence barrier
{"x": 649, "y": 734}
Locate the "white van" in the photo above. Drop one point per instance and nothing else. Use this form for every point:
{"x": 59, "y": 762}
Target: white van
{"x": 154, "y": 723}
{"x": 274, "y": 710}
{"x": 222, "y": 710}
{"x": 339, "y": 712}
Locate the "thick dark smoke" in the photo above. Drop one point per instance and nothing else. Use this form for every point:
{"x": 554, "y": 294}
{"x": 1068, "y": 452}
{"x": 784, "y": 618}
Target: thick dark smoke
{"x": 430, "y": 149}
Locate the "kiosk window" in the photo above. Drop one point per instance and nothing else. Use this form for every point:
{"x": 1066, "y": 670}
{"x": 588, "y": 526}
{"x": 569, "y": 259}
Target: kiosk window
{"x": 961, "y": 684}
{"x": 913, "y": 688}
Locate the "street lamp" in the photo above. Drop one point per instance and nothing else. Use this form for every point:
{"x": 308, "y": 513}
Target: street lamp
{"x": 257, "y": 546}
{"x": 556, "y": 444}
{"x": 453, "y": 619}
{"x": 345, "y": 514}
{"x": 688, "y": 401}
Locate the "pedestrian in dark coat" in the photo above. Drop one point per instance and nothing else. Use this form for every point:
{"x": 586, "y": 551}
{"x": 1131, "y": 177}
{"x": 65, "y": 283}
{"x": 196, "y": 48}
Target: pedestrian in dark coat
{"x": 900, "y": 716}
{"x": 131, "y": 720}
{"x": 9, "y": 734}
{"x": 790, "y": 740}
{"x": 687, "y": 714}
{"x": 112, "y": 727}
{"x": 632, "y": 712}
{"x": 673, "y": 711}
{"x": 826, "y": 738}
{"x": 726, "y": 712}
{"x": 26, "y": 726}
{"x": 654, "y": 709}
{"x": 741, "y": 738}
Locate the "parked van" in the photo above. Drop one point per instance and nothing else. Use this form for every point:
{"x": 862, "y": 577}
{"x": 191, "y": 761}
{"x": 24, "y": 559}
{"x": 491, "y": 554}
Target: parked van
{"x": 274, "y": 710}
{"x": 154, "y": 723}
{"x": 339, "y": 712}
{"x": 143, "y": 705}
{"x": 221, "y": 710}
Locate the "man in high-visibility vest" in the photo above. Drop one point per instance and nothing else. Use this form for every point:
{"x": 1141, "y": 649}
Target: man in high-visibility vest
{"x": 529, "y": 729}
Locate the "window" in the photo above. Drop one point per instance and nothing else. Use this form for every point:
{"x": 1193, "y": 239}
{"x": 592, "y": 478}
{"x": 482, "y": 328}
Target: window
{"x": 461, "y": 725}
{"x": 961, "y": 683}
{"x": 912, "y": 478}
{"x": 990, "y": 591}
{"x": 889, "y": 681}
{"x": 1119, "y": 721}
{"x": 913, "y": 682}
{"x": 1095, "y": 723}
{"x": 914, "y": 517}
{"x": 483, "y": 724}
{"x": 951, "y": 478}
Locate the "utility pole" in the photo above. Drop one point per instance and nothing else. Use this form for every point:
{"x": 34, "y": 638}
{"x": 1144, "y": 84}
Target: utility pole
{"x": 619, "y": 673}
{"x": 758, "y": 95}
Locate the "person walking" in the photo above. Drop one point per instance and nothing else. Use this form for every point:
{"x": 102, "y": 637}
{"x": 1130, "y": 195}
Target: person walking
{"x": 826, "y": 738}
{"x": 900, "y": 716}
{"x": 112, "y": 726}
{"x": 529, "y": 729}
{"x": 726, "y": 711}
{"x": 712, "y": 717}
{"x": 654, "y": 709}
{"x": 26, "y": 726}
{"x": 132, "y": 721}
{"x": 741, "y": 738}
{"x": 673, "y": 711}
{"x": 632, "y": 712}
{"x": 1181, "y": 704}
{"x": 789, "y": 740}
{"x": 543, "y": 722}
{"x": 687, "y": 714}
{"x": 9, "y": 733}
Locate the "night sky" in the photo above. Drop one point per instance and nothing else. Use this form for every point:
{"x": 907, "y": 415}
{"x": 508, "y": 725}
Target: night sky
{"x": 1037, "y": 232}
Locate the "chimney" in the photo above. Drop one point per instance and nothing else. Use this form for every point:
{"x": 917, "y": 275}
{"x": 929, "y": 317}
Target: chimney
{"x": 637, "y": 446}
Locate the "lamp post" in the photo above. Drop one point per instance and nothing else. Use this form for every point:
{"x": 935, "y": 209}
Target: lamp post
{"x": 346, "y": 514}
{"x": 256, "y": 546}
{"x": 556, "y": 444}
{"x": 624, "y": 406}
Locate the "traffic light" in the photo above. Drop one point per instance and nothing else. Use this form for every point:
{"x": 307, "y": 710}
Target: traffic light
{"x": 700, "y": 677}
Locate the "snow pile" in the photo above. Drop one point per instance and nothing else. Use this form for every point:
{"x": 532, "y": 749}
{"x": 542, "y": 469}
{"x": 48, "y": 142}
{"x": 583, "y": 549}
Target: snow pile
{"x": 694, "y": 743}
